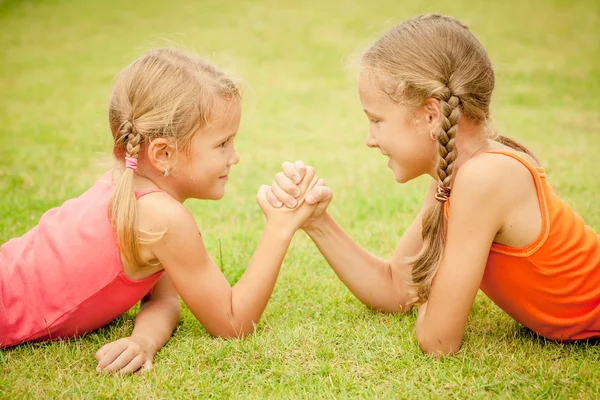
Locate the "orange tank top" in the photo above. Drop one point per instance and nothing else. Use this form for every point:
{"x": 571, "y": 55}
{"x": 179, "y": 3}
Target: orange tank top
{"x": 551, "y": 286}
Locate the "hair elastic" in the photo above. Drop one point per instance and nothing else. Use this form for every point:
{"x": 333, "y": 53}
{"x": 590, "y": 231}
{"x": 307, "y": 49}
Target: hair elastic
{"x": 443, "y": 193}
{"x": 131, "y": 162}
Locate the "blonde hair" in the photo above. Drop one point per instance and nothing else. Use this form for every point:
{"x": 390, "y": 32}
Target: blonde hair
{"x": 435, "y": 56}
{"x": 165, "y": 93}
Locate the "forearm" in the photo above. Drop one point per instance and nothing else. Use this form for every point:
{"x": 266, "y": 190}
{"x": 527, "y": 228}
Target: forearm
{"x": 368, "y": 277}
{"x": 249, "y": 297}
{"x": 156, "y": 321}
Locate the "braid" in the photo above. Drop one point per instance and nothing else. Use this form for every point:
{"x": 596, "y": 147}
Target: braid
{"x": 129, "y": 138}
{"x": 424, "y": 265}
{"x": 446, "y": 148}
{"x": 123, "y": 208}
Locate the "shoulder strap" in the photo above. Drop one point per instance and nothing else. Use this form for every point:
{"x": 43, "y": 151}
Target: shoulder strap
{"x": 145, "y": 192}
{"x": 534, "y": 170}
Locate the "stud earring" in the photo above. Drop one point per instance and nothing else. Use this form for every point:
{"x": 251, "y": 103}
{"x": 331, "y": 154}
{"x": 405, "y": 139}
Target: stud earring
{"x": 166, "y": 172}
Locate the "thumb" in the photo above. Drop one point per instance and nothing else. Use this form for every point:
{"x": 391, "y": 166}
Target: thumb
{"x": 262, "y": 193}
{"x": 319, "y": 194}
{"x": 146, "y": 366}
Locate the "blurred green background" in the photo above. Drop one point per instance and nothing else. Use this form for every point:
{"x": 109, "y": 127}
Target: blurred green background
{"x": 57, "y": 63}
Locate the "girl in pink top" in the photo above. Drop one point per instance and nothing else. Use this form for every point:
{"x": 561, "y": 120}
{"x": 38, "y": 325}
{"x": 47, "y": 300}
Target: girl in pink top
{"x": 174, "y": 119}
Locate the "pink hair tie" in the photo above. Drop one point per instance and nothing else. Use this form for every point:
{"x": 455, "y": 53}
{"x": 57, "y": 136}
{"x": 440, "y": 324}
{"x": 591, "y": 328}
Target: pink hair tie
{"x": 131, "y": 162}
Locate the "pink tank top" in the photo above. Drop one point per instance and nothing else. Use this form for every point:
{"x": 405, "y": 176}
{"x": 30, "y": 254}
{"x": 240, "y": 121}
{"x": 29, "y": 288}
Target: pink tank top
{"x": 64, "y": 277}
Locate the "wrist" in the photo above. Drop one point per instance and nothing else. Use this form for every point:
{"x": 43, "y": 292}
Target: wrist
{"x": 319, "y": 225}
{"x": 145, "y": 342}
{"x": 278, "y": 230}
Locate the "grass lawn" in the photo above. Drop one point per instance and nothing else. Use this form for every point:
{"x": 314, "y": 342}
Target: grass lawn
{"x": 57, "y": 62}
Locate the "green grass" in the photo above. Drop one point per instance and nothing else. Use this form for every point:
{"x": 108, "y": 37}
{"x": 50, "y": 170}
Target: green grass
{"x": 57, "y": 61}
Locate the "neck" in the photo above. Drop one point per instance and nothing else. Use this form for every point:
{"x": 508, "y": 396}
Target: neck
{"x": 470, "y": 140}
{"x": 146, "y": 178}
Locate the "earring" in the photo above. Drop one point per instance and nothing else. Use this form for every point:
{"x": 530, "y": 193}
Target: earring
{"x": 166, "y": 172}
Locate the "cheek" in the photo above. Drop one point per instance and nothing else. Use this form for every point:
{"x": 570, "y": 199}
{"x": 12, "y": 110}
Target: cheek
{"x": 415, "y": 148}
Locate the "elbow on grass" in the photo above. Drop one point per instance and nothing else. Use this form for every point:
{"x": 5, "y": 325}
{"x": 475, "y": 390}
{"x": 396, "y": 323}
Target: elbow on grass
{"x": 390, "y": 307}
{"x": 233, "y": 332}
{"x": 436, "y": 347}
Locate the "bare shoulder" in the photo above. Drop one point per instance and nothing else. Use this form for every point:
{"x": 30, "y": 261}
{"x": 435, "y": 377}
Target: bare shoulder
{"x": 159, "y": 212}
{"x": 493, "y": 177}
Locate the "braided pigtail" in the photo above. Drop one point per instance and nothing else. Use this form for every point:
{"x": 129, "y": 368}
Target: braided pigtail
{"x": 122, "y": 206}
{"x": 424, "y": 265}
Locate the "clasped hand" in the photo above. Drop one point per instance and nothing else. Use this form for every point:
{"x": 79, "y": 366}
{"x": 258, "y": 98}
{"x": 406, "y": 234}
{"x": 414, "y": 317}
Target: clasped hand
{"x": 297, "y": 195}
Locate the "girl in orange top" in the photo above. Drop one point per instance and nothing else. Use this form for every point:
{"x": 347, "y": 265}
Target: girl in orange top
{"x": 426, "y": 87}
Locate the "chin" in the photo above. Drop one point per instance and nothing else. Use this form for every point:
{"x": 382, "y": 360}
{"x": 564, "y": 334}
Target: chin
{"x": 402, "y": 178}
{"x": 219, "y": 194}
{"x": 214, "y": 195}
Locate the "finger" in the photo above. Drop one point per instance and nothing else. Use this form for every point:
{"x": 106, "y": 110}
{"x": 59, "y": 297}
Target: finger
{"x": 133, "y": 365}
{"x": 311, "y": 185}
{"x": 307, "y": 180}
{"x": 100, "y": 353}
{"x": 124, "y": 358}
{"x": 301, "y": 167}
{"x": 287, "y": 185}
{"x": 147, "y": 366}
{"x": 273, "y": 199}
{"x": 319, "y": 194}
{"x": 261, "y": 195}
{"x": 285, "y": 198}
{"x": 292, "y": 171}
{"x": 112, "y": 353}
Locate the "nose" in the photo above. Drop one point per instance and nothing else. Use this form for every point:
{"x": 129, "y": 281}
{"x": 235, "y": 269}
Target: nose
{"x": 370, "y": 142}
{"x": 235, "y": 158}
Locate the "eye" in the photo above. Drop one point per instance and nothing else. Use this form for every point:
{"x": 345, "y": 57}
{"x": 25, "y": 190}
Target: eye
{"x": 224, "y": 143}
{"x": 374, "y": 121}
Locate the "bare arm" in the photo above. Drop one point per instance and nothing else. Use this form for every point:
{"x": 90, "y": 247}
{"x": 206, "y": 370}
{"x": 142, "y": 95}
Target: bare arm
{"x": 481, "y": 198}
{"x": 153, "y": 327}
{"x": 378, "y": 283}
{"x": 158, "y": 316}
{"x": 225, "y": 311}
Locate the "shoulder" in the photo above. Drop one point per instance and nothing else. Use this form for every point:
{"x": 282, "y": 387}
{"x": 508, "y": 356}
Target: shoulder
{"x": 159, "y": 212}
{"x": 491, "y": 174}
{"x": 495, "y": 181}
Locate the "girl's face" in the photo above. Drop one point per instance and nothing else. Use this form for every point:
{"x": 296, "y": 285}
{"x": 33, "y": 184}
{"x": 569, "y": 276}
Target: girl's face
{"x": 400, "y": 133}
{"x": 203, "y": 172}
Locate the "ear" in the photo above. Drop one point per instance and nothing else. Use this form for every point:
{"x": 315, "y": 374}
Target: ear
{"x": 432, "y": 113}
{"x": 161, "y": 154}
